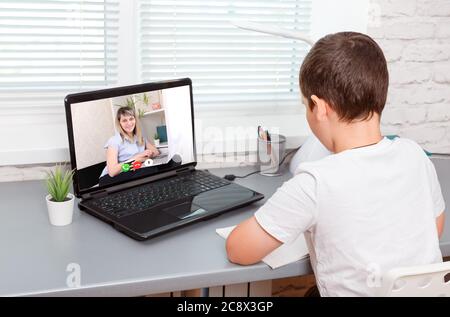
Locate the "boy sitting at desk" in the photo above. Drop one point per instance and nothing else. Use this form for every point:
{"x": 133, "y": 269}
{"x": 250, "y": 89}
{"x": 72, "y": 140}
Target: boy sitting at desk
{"x": 373, "y": 203}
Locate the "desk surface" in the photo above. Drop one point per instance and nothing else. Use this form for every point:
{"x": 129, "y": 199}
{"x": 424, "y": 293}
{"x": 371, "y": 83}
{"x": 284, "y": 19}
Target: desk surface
{"x": 35, "y": 255}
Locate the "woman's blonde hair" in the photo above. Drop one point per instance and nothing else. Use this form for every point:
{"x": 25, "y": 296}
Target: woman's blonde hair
{"x": 127, "y": 111}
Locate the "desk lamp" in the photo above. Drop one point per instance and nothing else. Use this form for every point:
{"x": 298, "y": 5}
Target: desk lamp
{"x": 313, "y": 144}
{"x": 258, "y": 27}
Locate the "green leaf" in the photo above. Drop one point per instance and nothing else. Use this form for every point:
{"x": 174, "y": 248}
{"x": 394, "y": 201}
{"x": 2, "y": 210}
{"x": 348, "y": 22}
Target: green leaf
{"x": 58, "y": 183}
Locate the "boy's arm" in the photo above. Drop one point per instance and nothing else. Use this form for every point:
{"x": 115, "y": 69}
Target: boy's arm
{"x": 249, "y": 243}
{"x": 438, "y": 199}
{"x": 287, "y": 214}
{"x": 440, "y": 221}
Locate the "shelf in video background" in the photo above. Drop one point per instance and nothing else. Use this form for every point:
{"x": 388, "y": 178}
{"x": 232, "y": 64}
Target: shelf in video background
{"x": 153, "y": 112}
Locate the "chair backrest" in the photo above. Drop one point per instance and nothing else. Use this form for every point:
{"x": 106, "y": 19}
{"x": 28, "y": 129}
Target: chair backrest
{"x": 424, "y": 280}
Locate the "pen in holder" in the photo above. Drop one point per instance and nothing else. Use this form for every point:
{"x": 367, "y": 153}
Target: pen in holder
{"x": 270, "y": 153}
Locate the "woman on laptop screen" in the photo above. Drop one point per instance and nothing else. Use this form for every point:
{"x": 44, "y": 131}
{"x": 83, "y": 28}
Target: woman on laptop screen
{"x": 127, "y": 149}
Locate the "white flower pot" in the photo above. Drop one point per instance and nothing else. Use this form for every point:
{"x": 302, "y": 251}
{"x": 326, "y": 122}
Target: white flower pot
{"x": 60, "y": 213}
{"x": 156, "y": 142}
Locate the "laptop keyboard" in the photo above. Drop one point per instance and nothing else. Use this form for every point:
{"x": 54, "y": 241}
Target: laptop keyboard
{"x": 145, "y": 196}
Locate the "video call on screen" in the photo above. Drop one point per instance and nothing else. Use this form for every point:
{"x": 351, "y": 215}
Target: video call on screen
{"x": 139, "y": 134}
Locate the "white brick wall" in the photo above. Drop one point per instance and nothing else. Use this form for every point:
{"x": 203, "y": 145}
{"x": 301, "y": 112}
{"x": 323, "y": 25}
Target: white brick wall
{"x": 415, "y": 37}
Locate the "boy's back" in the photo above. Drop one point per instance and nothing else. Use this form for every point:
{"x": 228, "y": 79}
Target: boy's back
{"x": 364, "y": 210}
{"x": 373, "y": 205}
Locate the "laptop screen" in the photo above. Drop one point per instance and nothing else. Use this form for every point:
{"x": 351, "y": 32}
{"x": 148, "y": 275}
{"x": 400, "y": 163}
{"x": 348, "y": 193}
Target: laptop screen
{"x": 126, "y": 133}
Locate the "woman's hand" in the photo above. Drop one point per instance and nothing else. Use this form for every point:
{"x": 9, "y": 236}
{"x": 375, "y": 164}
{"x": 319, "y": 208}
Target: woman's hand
{"x": 149, "y": 153}
{"x": 141, "y": 157}
{"x": 153, "y": 150}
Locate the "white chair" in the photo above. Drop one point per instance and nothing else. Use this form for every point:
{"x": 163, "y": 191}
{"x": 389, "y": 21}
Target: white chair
{"x": 424, "y": 280}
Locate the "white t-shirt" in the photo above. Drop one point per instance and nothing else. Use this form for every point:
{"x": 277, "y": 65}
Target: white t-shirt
{"x": 311, "y": 150}
{"x": 363, "y": 212}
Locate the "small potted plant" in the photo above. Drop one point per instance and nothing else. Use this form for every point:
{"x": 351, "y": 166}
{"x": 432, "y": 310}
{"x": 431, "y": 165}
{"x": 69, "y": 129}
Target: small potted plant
{"x": 59, "y": 201}
{"x": 141, "y": 113}
{"x": 156, "y": 139}
{"x": 145, "y": 100}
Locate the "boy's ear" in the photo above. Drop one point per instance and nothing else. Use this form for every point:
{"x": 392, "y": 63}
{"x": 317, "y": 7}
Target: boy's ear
{"x": 321, "y": 108}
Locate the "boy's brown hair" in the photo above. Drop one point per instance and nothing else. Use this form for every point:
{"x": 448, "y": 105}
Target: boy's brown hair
{"x": 348, "y": 70}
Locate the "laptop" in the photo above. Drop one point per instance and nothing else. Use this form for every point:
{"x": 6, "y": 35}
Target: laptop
{"x": 146, "y": 195}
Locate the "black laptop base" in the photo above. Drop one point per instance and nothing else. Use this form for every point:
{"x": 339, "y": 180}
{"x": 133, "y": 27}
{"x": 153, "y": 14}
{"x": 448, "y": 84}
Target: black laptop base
{"x": 177, "y": 207}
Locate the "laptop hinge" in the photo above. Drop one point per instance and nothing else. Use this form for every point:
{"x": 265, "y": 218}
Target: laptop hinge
{"x": 184, "y": 171}
{"x": 98, "y": 194}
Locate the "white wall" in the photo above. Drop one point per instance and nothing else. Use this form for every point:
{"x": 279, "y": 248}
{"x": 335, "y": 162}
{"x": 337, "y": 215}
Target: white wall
{"x": 415, "y": 37}
{"x": 179, "y": 124}
{"x": 93, "y": 125}
{"x": 330, "y": 16}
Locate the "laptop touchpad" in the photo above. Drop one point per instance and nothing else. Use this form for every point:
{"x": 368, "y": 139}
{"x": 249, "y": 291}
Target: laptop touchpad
{"x": 185, "y": 210}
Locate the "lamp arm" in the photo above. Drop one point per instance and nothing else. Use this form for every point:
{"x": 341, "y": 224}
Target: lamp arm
{"x": 252, "y": 26}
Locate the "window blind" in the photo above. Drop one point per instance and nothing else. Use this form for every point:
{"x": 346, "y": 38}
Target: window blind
{"x": 49, "y": 48}
{"x": 228, "y": 65}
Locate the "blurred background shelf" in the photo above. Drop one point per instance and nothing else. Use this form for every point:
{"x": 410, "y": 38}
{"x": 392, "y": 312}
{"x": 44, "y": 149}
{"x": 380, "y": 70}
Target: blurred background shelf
{"x": 162, "y": 145}
{"x": 153, "y": 112}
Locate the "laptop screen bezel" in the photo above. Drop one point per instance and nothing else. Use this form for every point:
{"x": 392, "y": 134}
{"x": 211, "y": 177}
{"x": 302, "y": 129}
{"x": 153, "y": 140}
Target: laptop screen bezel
{"x": 116, "y": 92}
